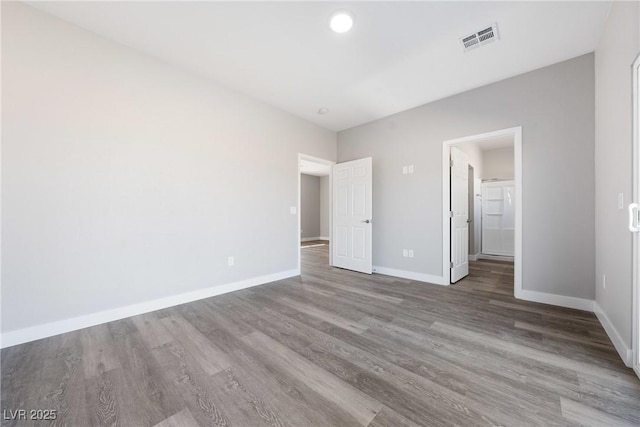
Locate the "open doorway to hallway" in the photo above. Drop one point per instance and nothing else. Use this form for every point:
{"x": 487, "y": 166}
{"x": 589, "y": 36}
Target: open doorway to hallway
{"x": 481, "y": 211}
{"x": 314, "y": 203}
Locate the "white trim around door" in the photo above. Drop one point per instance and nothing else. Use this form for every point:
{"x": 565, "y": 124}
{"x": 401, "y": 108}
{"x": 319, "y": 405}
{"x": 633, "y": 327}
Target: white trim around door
{"x": 516, "y": 132}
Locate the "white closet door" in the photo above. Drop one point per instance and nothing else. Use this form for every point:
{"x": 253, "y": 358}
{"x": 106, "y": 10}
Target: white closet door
{"x": 498, "y": 218}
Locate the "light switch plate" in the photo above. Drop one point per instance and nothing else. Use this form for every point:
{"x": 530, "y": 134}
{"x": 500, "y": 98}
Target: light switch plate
{"x": 620, "y": 201}
{"x": 293, "y": 210}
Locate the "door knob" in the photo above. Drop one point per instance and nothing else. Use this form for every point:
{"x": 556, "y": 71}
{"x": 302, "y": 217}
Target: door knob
{"x": 367, "y": 221}
{"x": 468, "y": 221}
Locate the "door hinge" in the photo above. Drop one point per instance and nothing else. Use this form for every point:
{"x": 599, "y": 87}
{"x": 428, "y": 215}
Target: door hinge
{"x": 451, "y": 265}
{"x": 450, "y": 163}
{"x": 450, "y": 214}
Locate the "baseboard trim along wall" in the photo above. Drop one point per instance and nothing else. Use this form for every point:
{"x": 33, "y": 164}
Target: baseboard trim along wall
{"x": 553, "y": 299}
{"x": 494, "y": 257}
{"x": 420, "y": 277}
{"x": 626, "y": 354}
{"x": 20, "y": 336}
{"x": 309, "y": 239}
{"x": 33, "y": 333}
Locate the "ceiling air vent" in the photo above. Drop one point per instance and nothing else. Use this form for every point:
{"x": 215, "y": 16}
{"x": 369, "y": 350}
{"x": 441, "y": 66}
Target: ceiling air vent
{"x": 480, "y": 38}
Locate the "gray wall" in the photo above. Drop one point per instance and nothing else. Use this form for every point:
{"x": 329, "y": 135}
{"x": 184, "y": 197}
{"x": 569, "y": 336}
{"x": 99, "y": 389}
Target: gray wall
{"x": 555, "y": 107}
{"x": 498, "y": 163}
{"x": 125, "y": 179}
{"x": 325, "y": 211}
{"x": 310, "y": 205}
{"x": 616, "y": 51}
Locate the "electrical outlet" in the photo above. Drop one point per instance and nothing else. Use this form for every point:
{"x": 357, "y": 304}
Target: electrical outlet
{"x": 230, "y": 261}
{"x": 405, "y": 253}
{"x": 410, "y": 253}
{"x": 604, "y": 281}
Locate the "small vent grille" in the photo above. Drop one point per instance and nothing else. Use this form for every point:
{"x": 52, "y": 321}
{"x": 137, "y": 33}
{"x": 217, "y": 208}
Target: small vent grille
{"x": 480, "y": 38}
{"x": 486, "y": 34}
{"x": 470, "y": 41}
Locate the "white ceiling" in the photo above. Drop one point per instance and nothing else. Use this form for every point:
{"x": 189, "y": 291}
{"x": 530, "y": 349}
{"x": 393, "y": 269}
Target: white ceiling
{"x": 490, "y": 143}
{"x": 308, "y": 167}
{"x": 398, "y": 55}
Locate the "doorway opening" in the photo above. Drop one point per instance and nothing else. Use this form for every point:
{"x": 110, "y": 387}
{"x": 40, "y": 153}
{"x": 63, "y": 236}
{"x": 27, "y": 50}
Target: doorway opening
{"x": 483, "y": 173}
{"x": 314, "y": 205}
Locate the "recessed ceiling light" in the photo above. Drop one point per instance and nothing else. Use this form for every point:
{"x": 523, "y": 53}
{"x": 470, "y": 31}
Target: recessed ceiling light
{"x": 341, "y": 21}
{"x": 323, "y": 110}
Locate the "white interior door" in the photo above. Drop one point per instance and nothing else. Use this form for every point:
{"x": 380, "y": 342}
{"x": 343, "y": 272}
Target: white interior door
{"x": 351, "y": 216}
{"x": 459, "y": 215}
{"x": 634, "y": 220}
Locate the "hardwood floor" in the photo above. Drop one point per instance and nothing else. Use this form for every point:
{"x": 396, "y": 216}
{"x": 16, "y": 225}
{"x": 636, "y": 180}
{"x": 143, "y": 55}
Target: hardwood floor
{"x": 333, "y": 347}
{"x": 313, "y": 243}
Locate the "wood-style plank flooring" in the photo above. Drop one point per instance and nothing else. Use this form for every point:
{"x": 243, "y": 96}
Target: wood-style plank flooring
{"x": 333, "y": 348}
{"x": 313, "y": 243}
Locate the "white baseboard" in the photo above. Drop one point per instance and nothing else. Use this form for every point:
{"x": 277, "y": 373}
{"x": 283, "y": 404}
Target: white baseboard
{"x": 33, "y": 333}
{"x": 420, "y": 277}
{"x": 474, "y": 257}
{"x": 553, "y": 299}
{"x": 626, "y": 354}
{"x": 495, "y": 257}
{"x": 309, "y": 239}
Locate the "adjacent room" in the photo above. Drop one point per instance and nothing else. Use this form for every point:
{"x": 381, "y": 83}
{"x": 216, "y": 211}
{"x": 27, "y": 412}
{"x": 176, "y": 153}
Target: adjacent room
{"x": 320, "y": 213}
{"x": 315, "y": 192}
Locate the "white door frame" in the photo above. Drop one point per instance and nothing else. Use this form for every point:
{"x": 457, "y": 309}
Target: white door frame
{"x": 302, "y": 156}
{"x": 635, "y": 328}
{"x": 516, "y": 132}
